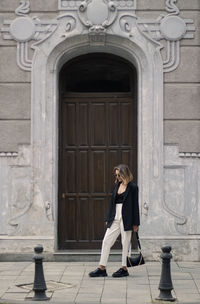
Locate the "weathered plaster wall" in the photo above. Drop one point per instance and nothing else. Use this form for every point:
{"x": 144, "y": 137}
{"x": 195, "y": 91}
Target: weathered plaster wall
{"x": 15, "y": 84}
{"x": 182, "y": 91}
{"x": 181, "y": 134}
{"x": 182, "y": 87}
{"x": 181, "y": 115}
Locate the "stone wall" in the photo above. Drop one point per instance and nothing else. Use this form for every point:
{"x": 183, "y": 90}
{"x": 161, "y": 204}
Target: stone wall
{"x": 181, "y": 90}
{"x": 20, "y": 208}
{"x": 15, "y": 84}
{"x": 182, "y": 86}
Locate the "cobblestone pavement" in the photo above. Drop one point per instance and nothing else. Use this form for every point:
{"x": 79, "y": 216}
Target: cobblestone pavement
{"x": 70, "y": 283}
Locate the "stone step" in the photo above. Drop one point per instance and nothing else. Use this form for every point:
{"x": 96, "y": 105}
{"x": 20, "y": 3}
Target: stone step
{"x": 85, "y": 256}
{"x": 62, "y": 256}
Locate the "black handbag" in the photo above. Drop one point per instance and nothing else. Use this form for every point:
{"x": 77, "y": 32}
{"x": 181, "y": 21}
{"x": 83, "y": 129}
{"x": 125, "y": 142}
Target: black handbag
{"x": 137, "y": 259}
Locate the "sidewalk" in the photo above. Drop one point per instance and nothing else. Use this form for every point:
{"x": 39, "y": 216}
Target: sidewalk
{"x": 70, "y": 283}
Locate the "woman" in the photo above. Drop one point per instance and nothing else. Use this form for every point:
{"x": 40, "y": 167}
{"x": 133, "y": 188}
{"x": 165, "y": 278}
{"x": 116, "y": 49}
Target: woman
{"x": 123, "y": 217}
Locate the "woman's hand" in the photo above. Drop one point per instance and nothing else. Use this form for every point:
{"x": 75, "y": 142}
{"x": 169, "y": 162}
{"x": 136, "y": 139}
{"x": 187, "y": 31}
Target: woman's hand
{"x": 135, "y": 228}
{"x": 106, "y": 223}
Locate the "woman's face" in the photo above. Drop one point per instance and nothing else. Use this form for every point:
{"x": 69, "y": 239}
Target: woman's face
{"x": 118, "y": 176}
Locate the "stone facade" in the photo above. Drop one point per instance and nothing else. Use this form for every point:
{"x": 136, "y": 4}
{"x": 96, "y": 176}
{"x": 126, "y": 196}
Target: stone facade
{"x": 167, "y": 61}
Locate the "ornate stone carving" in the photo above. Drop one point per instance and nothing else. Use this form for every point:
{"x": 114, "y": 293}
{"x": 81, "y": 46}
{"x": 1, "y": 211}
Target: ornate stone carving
{"x": 128, "y": 23}
{"x": 145, "y": 209}
{"x": 181, "y": 187}
{"x": 70, "y": 23}
{"x": 97, "y": 38}
{"x": 126, "y": 5}
{"x": 171, "y": 7}
{"x": 171, "y": 28}
{"x": 24, "y": 8}
{"x": 24, "y": 29}
{"x": 68, "y": 4}
{"x": 97, "y": 15}
{"x": 73, "y": 5}
{"x": 174, "y": 199}
{"x": 17, "y": 189}
{"x": 189, "y": 154}
{"x": 8, "y": 154}
{"x": 20, "y": 186}
{"x": 21, "y": 201}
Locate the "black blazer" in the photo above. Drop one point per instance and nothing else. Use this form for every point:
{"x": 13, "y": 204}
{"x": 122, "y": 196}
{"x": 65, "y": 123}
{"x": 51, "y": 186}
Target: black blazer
{"x": 130, "y": 207}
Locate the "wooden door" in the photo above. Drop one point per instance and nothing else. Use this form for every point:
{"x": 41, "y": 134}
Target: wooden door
{"x": 97, "y": 132}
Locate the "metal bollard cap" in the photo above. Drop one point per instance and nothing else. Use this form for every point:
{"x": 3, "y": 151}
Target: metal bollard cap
{"x": 166, "y": 249}
{"x": 38, "y": 249}
{"x": 166, "y": 253}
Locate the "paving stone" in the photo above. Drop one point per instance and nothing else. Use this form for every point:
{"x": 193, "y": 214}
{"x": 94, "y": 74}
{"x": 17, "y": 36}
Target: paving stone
{"x": 195, "y": 276}
{"x": 66, "y": 298}
{"x": 113, "y": 300}
{"x": 26, "y": 278}
{"x": 15, "y": 289}
{"x": 87, "y": 298}
{"x": 188, "y": 284}
{"x": 68, "y": 279}
{"x": 197, "y": 282}
{"x": 139, "y": 299}
{"x": 142, "y": 287}
{"x": 14, "y": 296}
{"x": 86, "y": 301}
{"x": 189, "y": 265}
{"x": 195, "y": 298}
{"x": 2, "y": 291}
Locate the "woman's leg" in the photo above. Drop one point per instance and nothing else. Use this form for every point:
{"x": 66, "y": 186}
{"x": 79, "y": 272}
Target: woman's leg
{"x": 109, "y": 239}
{"x": 126, "y": 238}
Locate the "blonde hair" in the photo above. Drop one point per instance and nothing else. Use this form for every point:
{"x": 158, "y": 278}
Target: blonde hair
{"x": 124, "y": 172}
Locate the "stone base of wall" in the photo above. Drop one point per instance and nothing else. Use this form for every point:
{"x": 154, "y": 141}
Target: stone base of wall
{"x": 24, "y": 244}
{"x": 175, "y": 221}
{"x": 183, "y": 248}
{"x": 22, "y": 249}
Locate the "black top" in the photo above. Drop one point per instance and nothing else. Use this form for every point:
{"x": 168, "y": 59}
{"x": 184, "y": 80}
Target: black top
{"x": 119, "y": 198}
{"x": 130, "y": 207}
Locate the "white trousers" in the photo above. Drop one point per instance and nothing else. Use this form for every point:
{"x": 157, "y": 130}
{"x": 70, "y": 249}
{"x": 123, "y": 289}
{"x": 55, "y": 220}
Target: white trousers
{"x": 112, "y": 234}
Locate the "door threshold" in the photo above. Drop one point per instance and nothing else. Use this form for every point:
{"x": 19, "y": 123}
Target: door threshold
{"x": 84, "y": 251}
{"x": 84, "y": 255}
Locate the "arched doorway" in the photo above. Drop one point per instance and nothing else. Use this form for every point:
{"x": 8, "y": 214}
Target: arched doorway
{"x": 97, "y": 130}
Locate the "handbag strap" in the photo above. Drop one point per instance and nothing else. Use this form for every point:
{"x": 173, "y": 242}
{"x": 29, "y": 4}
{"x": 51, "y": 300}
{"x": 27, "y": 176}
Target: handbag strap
{"x": 138, "y": 240}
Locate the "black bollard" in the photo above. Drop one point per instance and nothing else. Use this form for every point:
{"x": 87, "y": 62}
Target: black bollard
{"x": 166, "y": 285}
{"x": 39, "y": 285}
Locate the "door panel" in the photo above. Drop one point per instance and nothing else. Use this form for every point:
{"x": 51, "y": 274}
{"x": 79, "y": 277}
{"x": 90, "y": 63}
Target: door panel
{"x": 96, "y": 134}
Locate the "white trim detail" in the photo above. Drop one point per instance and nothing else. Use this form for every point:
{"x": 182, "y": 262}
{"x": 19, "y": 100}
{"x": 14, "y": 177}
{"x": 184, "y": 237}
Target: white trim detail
{"x": 8, "y": 154}
{"x": 189, "y": 154}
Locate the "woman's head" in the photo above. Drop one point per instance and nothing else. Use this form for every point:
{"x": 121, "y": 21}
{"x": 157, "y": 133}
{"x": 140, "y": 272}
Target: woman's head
{"x": 123, "y": 174}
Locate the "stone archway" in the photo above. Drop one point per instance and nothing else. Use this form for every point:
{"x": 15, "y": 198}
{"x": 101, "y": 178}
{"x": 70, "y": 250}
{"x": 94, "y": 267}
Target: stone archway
{"x": 145, "y": 56}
